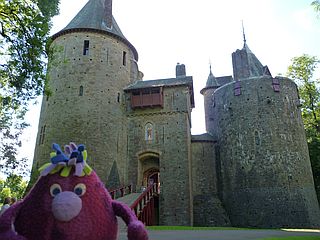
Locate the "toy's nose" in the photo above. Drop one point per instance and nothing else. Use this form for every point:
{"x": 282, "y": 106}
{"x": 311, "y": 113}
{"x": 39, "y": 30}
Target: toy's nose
{"x": 66, "y": 205}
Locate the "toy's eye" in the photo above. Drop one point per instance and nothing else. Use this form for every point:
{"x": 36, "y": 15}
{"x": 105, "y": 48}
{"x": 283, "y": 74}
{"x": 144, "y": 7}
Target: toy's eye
{"x": 80, "y": 189}
{"x": 55, "y": 189}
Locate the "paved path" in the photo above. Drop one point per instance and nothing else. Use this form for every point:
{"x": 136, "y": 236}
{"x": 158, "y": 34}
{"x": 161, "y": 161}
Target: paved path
{"x": 208, "y": 234}
{"x": 220, "y": 234}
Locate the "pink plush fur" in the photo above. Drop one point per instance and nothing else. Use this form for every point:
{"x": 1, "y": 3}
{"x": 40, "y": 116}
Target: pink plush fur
{"x": 33, "y": 218}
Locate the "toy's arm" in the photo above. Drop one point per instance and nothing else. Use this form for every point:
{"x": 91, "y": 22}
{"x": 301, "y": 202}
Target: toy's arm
{"x": 7, "y": 231}
{"x": 136, "y": 230}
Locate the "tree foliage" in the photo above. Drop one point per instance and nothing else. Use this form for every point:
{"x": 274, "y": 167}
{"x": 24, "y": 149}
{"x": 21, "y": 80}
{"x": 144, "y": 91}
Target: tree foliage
{"x": 13, "y": 186}
{"x": 24, "y": 32}
{"x": 316, "y": 5}
{"x": 301, "y": 71}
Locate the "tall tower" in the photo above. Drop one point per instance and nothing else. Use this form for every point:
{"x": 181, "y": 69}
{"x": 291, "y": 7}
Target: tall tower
{"x": 265, "y": 177}
{"x": 91, "y": 64}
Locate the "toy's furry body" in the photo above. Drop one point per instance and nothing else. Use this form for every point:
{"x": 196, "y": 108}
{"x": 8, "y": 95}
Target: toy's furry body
{"x": 36, "y": 217}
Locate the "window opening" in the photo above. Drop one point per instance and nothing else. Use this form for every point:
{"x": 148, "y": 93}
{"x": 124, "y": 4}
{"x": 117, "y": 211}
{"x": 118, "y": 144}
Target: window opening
{"x": 42, "y": 134}
{"x": 81, "y": 91}
{"x": 124, "y": 58}
{"x": 149, "y": 132}
{"x": 86, "y": 47}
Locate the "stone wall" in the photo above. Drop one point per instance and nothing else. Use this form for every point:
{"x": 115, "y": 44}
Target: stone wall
{"x": 207, "y": 207}
{"x": 265, "y": 167}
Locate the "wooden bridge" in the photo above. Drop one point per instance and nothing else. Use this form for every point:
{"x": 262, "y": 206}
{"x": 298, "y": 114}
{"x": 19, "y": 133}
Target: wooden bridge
{"x": 144, "y": 204}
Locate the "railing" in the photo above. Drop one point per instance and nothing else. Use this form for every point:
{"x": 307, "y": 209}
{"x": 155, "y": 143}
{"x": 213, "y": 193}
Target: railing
{"x": 143, "y": 207}
{"x": 120, "y": 192}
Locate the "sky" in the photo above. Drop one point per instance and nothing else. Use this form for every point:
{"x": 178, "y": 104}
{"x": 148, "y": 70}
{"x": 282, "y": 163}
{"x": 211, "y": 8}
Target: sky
{"x": 197, "y": 33}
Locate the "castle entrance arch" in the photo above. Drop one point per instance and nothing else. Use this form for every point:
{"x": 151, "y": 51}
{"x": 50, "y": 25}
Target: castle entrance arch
{"x": 149, "y": 169}
{"x": 149, "y": 173}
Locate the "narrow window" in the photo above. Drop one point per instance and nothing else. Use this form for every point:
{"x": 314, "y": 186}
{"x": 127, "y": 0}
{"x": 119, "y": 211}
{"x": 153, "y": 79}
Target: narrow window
{"x": 40, "y": 137}
{"x": 86, "y": 47}
{"x": 237, "y": 88}
{"x": 81, "y": 91}
{"x": 124, "y": 58}
{"x": 276, "y": 84}
{"x": 257, "y": 137}
{"x": 43, "y": 134}
{"x": 149, "y": 132}
{"x": 118, "y": 98}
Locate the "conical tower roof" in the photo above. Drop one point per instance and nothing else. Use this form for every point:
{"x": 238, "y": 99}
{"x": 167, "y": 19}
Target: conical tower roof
{"x": 212, "y": 81}
{"x": 96, "y": 16}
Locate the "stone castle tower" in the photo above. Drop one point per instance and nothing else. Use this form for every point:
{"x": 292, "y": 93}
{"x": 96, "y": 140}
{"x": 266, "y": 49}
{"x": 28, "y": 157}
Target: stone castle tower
{"x": 251, "y": 168}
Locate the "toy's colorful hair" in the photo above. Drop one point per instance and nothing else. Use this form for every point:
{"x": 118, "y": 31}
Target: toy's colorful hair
{"x": 73, "y": 155}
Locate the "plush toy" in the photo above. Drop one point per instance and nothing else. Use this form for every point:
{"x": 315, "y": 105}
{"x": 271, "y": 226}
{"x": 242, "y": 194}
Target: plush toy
{"x": 68, "y": 202}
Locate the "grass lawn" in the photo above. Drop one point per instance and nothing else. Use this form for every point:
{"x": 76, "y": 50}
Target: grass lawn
{"x": 194, "y": 228}
{"x": 294, "y": 238}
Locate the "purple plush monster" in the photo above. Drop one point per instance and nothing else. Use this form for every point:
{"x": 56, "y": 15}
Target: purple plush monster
{"x": 68, "y": 202}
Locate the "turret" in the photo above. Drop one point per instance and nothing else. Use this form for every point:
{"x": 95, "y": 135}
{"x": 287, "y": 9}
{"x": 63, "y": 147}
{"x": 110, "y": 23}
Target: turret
{"x": 262, "y": 151}
{"x": 208, "y": 94}
{"x": 93, "y": 62}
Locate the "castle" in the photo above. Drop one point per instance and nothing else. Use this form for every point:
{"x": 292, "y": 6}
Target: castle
{"x": 251, "y": 167}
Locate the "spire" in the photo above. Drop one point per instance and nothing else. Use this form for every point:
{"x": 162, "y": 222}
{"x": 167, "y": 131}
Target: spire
{"x": 212, "y": 81}
{"x": 244, "y": 36}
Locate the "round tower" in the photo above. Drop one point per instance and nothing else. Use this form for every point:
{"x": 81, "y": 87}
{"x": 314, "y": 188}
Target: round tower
{"x": 265, "y": 176}
{"x": 91, "y": 65}
{"x": 266, "y": 172}
{"x": 208, "y": 94}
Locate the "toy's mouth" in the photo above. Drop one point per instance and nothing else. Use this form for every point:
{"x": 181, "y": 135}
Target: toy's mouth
{"x": 66, "y": 206}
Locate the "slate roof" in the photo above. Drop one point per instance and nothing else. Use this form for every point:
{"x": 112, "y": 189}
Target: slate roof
{"x": 219, "y": 81}
{"x": 206, "y": 137}
{"x": 92, "y": 17}
{"x": 161, "y": 83}
{"x": 255, "y": 66}
{"x": 212, "y": 81}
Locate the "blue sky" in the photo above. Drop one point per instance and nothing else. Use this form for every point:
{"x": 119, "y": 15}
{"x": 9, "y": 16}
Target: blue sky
{"x": 198, "y": 32}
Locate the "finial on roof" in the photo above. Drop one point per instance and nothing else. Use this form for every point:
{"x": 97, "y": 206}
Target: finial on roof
{"x": 210, "y": 66}
{"x": 244, "y": 35}
{"x": 212, "y": 81}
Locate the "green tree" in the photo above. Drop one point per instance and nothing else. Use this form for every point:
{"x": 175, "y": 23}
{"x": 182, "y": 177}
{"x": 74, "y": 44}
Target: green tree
{"x": 316, "y": 5}
{"x": 301, "y": 71}
{"x": 24, "y": 34}
{"x": 13, "y": 186}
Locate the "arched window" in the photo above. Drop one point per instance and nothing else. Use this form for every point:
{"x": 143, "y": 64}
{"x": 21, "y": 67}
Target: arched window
{"x": 81, "y": 91}
{"x": 149, "y": 132}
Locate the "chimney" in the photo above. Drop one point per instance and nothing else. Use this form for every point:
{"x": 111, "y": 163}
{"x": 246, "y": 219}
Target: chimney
{"x": 180, "y": 70}
{"x": 108, "y": 12}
